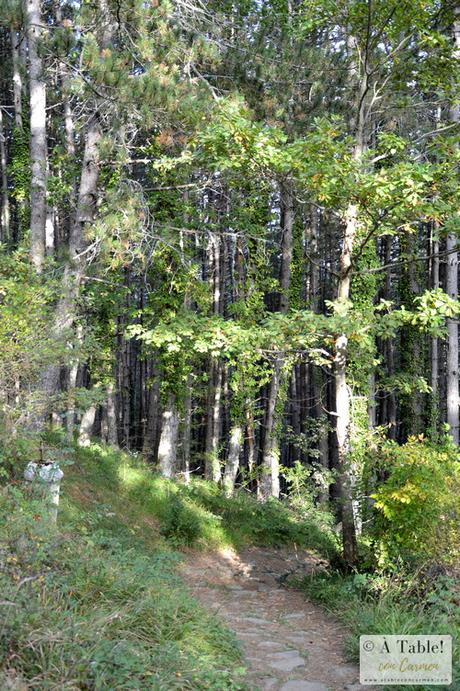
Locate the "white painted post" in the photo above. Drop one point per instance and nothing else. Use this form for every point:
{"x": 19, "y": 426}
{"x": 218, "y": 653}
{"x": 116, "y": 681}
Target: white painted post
{"x": 48, "y": 477}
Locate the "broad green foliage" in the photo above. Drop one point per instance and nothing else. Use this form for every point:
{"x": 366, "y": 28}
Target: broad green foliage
{"x": 418, "y": 505}
{"x": 183, "y": 337}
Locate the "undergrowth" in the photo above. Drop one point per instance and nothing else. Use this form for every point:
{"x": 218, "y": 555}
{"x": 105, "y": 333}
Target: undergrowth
{"x": 380, "y": 604}
{"x": 199, "y": 515}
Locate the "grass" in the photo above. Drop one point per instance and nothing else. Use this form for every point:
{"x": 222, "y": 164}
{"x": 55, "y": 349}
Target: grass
{"x": 198, "y": 515}
{"x": 96, "y": 603}
{"x": 408, "y": 604}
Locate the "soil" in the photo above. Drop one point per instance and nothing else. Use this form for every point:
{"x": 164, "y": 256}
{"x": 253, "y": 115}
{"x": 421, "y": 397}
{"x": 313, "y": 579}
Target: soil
{"x": 289, "y": 643}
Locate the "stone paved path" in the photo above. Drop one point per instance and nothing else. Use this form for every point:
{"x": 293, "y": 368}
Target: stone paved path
{"x": 290, "y": 644}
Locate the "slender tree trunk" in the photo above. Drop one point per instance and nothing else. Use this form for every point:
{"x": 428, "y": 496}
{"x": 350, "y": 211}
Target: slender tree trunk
{"x": 452, "y": 291}
{"x": 415, "y": 424}
{"x": 342, "y": 400}
{"x": 167, "y": 449}
{"x": 233, "y": 459}
{"x": 68, "y": 122}
{"x": 112, "y": 432}
{"x": 318, "y": 384}
{"x": 187, "y": 431}
{"x": 251, "y": 437}
{"x": 452, "y": 338}
{"x": 269, "y": 485}
{"x": 38, "y": 147}
{"x": 151, "y": 432}
{"x": 74, "y": 270}
{"x": 434, "y": 250}
{"x": 213, "y": 424}
{"x": 390, "y": 397}
{"x": 5, "y": 209}
{"x": 17, "y": 78}
{"x": 295, "y": 406}
{"x": 212, "y": 463}
{"x": 86, "y": 426}
{"x": 345, "y": 476}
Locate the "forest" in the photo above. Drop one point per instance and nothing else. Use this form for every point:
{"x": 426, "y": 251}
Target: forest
{"x": 229, "y": 258}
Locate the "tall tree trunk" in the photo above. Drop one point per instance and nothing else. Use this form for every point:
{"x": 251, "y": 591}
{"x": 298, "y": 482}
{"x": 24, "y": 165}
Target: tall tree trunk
{"x": 415, "y": 425}
{"x": 251, "y": 437}
{"x": 38, "y": 146}
{"x": 86, "y": 426}
{"x": 17, "y": 77}
{"x": 269, "y": 485}
{"x": 434, "y": 250}
{"x": 111, "y": 411}
{"x": 233, "y": 459}
{"x": 5, "y": 208}
{"x": 342, "y": 400}
{"x": 452, "y": 290}
{"x": 213, "y": 424}
{"x": 187, "y": 430}
{"x": 18, "y": 56}
{"x": 212, "y": 463}
{"x": 153, "y": 406}
{"x": 64, "y": 314}
{"x": 345, "y": 475}
{"x": 167, "y": 449}
{"x": 389, "y": 347}
{"x": 314, "y": 373}
{"x": 452, "y": 339}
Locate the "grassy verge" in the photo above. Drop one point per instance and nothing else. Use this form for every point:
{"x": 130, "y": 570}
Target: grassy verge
{"x": 199, "y": 515}
{"x": 368, "y": 604}
{"x": 97, "y": 603}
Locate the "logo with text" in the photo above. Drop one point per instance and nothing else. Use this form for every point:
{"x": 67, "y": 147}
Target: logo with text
{"x": 405, "y": 660}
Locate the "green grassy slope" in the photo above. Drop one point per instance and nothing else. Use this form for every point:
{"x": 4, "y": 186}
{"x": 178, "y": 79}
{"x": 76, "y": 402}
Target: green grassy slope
{"x": 96, "y": 603}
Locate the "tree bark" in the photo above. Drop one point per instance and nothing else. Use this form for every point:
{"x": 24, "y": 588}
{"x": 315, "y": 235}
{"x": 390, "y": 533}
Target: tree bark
{"x": 17, "y": 78}
{"x": 38, "y": 146}
{"x": 5, "y": 210}
{"x": 434, "y": 250}
{"x": 212, "y": 462}
{"x": 153, "y": 406}
{"x": 233, "y": 459}
{"x": 86, "y": 426}
{"x": 452, "y": 341}
{"x": 112, "y": 433}
{"x": 269, "y": 485}
{"x": 345, "y": 475}
{"x": 213, "y": 423}
{"x": 187, "y": 431}
{"x": 452, "y": 290}
{"x": 345, "y": 478}
{"x": 167, "y": 449}
{"x": 74, "y": 270}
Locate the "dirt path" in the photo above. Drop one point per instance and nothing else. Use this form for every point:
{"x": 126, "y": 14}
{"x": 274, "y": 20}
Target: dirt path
{"x": 289, "y": 643}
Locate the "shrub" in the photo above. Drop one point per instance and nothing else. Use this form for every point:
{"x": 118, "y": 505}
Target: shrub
{"x": 418, "y": 505}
